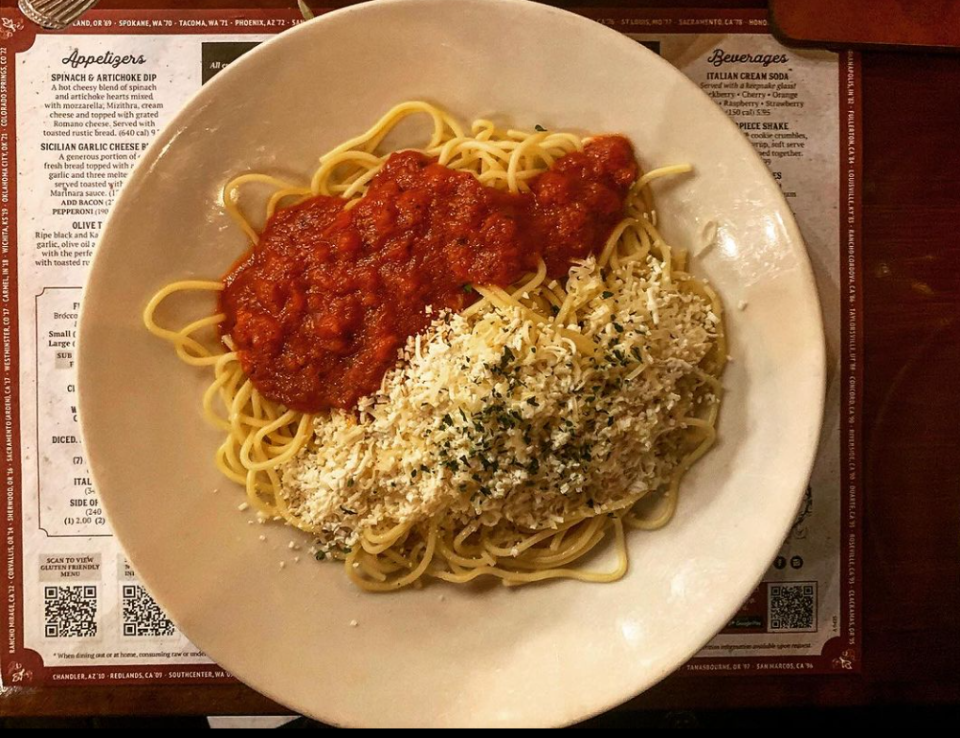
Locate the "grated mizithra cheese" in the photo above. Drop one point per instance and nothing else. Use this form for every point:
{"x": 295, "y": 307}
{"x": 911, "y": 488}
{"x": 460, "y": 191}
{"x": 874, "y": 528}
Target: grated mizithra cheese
{"x": 496, "y": 418}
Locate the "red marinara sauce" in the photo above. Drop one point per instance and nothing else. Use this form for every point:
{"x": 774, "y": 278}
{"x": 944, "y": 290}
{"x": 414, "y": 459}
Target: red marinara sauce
{"x": 318, "y": 310}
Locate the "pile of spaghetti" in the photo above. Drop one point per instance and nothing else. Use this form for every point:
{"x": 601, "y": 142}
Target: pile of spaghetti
{"x": 511, "y": 438}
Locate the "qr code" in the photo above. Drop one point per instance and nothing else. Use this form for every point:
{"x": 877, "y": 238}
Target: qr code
{"x": 70, "y": 612}
{"x": 142, "y": 616}
{"x": 793, "y": 607}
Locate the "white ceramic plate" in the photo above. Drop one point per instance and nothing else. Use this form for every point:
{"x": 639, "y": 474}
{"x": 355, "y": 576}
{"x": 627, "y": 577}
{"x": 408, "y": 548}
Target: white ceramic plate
{"x": 544, "y": 655}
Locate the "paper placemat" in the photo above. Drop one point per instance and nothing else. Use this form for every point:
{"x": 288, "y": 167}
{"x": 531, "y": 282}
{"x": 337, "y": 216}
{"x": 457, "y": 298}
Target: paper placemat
{"x": 76, "y": 111}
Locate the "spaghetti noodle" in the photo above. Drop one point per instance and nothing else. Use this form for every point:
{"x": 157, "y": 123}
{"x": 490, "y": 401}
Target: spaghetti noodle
{"x": 635, "y": 275}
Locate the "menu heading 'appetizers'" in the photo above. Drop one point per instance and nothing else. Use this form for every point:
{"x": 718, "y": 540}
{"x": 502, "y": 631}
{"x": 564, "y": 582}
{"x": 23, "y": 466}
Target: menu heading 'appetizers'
{"x": 109, "y": 59}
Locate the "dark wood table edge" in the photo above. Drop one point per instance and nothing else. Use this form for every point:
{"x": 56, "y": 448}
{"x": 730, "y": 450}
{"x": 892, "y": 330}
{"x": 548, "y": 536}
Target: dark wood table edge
{"x": 779, "y": 33}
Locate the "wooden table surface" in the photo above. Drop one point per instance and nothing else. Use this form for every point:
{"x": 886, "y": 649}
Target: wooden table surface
{"x": 911, "y": 421}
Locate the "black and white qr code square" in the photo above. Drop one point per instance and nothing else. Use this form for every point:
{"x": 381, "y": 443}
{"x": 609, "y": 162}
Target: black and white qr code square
{"x": 142, "y": 616}
{"x": 70, "y": 612}
{"x": 792, "y": 607}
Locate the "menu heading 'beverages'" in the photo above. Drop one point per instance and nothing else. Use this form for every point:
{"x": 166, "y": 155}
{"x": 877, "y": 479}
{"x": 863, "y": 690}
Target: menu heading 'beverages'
{"x": 719, "y": 57}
